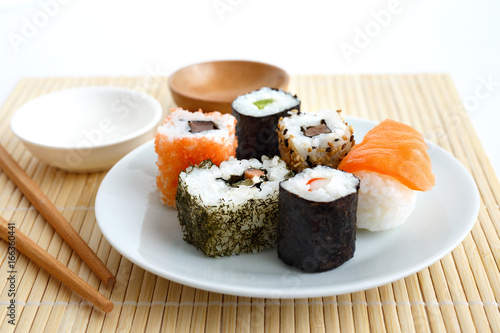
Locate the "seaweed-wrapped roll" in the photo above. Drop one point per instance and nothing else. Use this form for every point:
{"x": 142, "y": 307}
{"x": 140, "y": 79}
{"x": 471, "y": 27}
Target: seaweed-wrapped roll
{"x": 317, "y": 219}
{"x": 232, "y": 208}
{"x": 257, "y": 114}
{"x": 307, "y": 139}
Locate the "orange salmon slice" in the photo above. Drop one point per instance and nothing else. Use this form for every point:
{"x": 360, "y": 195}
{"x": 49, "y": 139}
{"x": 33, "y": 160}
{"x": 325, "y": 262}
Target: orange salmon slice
{"x": 396, "y": 150}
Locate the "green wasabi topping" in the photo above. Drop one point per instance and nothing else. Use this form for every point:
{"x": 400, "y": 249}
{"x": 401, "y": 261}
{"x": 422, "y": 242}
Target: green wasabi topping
{"x": 263, "y": 103}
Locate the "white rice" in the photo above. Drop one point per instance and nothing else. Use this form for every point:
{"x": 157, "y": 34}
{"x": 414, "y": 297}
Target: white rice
{"x": 340, "y": 184}
{"x": 244, "y": 104}
{"x": 383, "y": 203}
{"x": 205, "y": 183}
{"x": 176, "y": 126}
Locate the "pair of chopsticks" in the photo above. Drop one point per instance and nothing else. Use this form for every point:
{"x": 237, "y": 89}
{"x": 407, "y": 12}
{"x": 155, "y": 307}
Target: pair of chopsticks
{"x": 47, "y": 209}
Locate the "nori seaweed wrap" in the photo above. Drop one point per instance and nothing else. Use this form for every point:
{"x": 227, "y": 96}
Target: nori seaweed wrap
{"x": 257, "y": 115}
{"x": 317, "y": 219}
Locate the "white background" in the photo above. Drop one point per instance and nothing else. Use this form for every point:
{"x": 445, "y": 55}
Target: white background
{"x": 89, "y": 38}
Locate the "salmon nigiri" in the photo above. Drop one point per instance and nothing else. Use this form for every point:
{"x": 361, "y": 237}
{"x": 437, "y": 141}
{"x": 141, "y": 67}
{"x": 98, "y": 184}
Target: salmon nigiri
{"x": 396, "y": 150}
{"x": 392, "y": 163}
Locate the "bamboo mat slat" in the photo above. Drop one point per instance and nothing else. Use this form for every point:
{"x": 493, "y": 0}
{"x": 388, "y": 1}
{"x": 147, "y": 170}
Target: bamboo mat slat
{"x": 461, "y": 292}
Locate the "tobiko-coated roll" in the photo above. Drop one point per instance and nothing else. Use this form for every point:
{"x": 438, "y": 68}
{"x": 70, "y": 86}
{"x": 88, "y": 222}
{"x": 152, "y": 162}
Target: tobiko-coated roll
{"x": 233, "y": 208}
{"x": 307, "y": 139}
{"x": 317, "y": 219}
{"x": 188, "y": 138}
{"x": 257, "y": 114}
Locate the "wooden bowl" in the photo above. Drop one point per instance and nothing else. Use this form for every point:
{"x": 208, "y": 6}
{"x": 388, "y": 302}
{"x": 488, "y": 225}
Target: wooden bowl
{"x": 212, "y": 86}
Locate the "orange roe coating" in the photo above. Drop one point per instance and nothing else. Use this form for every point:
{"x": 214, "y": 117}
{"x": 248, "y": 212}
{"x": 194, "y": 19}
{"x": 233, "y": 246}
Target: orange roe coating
{"x": 176, "y": 154}
{"x": 396, "y": 150}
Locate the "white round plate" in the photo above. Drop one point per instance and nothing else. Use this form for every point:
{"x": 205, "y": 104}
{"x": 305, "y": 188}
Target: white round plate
{"x": 147, "y": 233}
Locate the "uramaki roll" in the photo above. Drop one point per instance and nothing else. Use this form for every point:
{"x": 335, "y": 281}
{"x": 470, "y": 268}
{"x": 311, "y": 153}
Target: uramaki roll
{"x": 232, "y": 208}
{"x": 307, "y": 139}
{"x": 188, "y": 138}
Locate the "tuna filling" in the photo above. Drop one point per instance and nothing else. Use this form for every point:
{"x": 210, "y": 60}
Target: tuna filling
{"x": 198, "y": 126}
{"x": 316, "y": 130}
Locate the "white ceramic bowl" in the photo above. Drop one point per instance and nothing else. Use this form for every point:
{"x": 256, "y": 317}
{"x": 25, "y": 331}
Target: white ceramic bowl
{"x": 86, "y": 129}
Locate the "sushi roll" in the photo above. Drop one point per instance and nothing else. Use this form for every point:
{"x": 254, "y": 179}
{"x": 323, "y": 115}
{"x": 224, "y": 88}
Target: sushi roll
{"x": 393, "y": 165}
{"x": 257, "y": 114}
{"x": 317, "y": 219}
{"x": 233, "y": 208}
{"x": 188, "y": 138}
{"x": 308, "y": 139}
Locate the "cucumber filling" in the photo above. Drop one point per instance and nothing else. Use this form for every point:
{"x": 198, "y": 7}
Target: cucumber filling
{"x": 263, "y": 103}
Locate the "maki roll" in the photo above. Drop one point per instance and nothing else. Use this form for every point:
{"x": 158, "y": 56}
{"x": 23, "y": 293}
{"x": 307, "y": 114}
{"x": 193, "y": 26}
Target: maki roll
{"x": 308, "y": 139}
{"x": 258, "y": 113}
{"x": 317, "y": 219}
{"x": 233, "y": 208}
{"x": 393, "y": 165}
{"x": 188, "y": 138}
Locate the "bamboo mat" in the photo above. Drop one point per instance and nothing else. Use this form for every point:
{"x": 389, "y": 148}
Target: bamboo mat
{"x": 459, "y": 293}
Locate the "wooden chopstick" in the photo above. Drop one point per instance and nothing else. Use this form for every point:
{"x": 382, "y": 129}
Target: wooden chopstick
{"x": 43, "y": 259}
{"x": 47, "y": 209}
